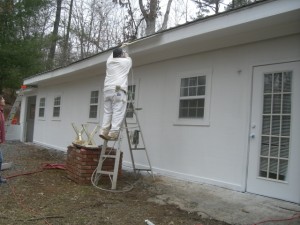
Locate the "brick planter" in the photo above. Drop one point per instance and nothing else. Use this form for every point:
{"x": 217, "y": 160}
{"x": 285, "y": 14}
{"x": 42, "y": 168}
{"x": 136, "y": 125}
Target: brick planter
{"x": 81, "y": 163}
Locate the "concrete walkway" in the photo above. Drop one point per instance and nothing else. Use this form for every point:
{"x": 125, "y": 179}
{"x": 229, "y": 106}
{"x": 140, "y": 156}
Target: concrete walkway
{"x": 225, "y": 205}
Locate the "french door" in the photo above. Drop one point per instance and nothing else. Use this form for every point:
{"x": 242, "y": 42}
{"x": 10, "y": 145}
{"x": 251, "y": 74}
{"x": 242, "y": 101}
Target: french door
{"x": 274, "y": 156}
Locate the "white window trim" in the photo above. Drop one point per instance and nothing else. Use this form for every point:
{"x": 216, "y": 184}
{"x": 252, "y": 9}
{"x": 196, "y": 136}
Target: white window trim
{"x": 60, "y": 110}
{"x": 93, "y": 120}
{"x": 205, "y": 121}
{"x": 136, "y": 100}
{"x": 39, "y": 107}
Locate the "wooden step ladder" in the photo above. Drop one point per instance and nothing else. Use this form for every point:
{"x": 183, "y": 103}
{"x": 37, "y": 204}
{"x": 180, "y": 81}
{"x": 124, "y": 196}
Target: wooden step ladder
{"x": 14, "y": 108}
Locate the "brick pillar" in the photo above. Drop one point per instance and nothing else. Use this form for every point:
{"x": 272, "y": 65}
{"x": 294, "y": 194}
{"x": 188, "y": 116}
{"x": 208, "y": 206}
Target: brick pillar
{"x": 82, "y": 162}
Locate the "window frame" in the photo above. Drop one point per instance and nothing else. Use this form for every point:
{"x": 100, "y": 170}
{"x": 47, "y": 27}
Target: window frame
{"x": 55, "y": 106}
{"x": 42, "y": 107}
{"x": 94, "y": 104}
{"x": 205, "y": 121}
{"x": 132, "y": 120}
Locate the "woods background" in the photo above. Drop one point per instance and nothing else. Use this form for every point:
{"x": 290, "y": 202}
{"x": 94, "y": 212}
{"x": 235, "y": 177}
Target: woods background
{"x": 40, "y": 35}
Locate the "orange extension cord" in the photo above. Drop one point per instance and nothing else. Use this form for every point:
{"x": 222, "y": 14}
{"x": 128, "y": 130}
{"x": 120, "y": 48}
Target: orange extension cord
{"x": 296, "y": 216}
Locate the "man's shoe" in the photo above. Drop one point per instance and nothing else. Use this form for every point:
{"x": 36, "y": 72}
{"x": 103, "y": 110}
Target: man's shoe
{"x": 113, "y": 136}
{"x": 2, "y": 180}
{"x": 104, "y": 137}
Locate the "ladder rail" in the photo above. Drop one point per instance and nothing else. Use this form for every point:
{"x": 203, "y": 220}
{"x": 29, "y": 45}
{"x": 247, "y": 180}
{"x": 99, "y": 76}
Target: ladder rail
{"x": 113, "y": 175}
{"x": 144, "y": 143}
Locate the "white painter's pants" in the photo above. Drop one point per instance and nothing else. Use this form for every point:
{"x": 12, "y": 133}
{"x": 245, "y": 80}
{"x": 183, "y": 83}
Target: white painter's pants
{"x": 115, "y": 104}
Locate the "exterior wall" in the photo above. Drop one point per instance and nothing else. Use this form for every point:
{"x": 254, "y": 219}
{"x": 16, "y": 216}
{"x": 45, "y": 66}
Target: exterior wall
{"x": 75, "y": 98}
{"x": 215, "y": 152}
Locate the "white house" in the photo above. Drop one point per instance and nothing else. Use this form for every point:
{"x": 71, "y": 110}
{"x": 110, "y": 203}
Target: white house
{"x": 219, "y": 98}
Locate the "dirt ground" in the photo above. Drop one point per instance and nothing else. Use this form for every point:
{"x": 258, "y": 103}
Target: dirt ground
{"x": 46, "y": 196}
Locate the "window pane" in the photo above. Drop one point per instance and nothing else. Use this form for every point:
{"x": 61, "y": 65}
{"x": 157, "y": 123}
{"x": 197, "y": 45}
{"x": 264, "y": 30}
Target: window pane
{"x": 42, "y": 102}
{"x": 287, "y": 82}
{"x": 283, "y": 167}
{"x": 266, "y": 125}
{"x": 131, "y": 92}
{"x": 284, "y": 148}
{"x": 277, "y": 84}
{"x": 273, "y": 168}
{"x": 183, "y": 113}
{"x": 184, "y": 103}
{"x": 192, "y": 112}
{"x": 275, "y": 125}
{"x": 184, "y": 82}
{"x": 192, "y": 91}
{"x": 41, "y": 112}
{"x": 193, "y": 108}
{"x": 184, "y": 92}
{"x": 285, "y": 127}
{"x": 201, "y": 90}
{"x": 200, "y": 112}
{"x": 193, "y": 103}
{"x": 264, "y": 150}
{"x": 94, "y": 97}
{"x": 267, "y": 104}
{"x": 57, "y": 101}
{"x": 286, "y": 103}
{"x": 263, "y": 167}
{"x": 274, "y": 146}
{"x": 129, "y": 113}
{"x": 56, "y": 111}
{"x": 201, "y": 80}
{"x": 268, "y": 83}
{"x": 200, "y": 102}
{"x": 193, "y": 81}
{"x": 277, "y": 103}
{"x": 93, "y": 111}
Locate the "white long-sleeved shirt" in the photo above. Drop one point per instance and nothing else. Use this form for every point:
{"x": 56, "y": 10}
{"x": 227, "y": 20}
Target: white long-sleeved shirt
{"x": 117, "y": 70}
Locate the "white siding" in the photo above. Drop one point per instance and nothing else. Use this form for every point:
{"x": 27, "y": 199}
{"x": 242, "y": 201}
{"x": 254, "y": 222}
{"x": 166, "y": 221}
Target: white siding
{"x": 214, "y": 153}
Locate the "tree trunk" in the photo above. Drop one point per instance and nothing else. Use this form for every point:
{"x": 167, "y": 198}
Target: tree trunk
{"x": 166, "y": 17}
{"x": 66, "y": 55}
{"x": 150, "y": 17}
{"x": 54, "y": 35}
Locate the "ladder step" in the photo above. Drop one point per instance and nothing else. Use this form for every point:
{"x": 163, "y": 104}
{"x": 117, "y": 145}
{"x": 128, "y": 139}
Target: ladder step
{"x": 138, "y": 149}
{"x": 105, "y": 172}
{"x": 143, "y": 169}
{"x": 109, "y": 156}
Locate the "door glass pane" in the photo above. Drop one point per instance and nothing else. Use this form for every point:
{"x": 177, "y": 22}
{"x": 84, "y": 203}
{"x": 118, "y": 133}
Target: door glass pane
{"x": 264, "y": 151}
{"x": 266, "y": 125}
{"x": 287, "y": 81}
{"x": 277, "y": 103}
{"x": 284, "y": 147}
{"x": 286, "y": 103}
{"x": 276, "y": 124}
{"x": 267, "y": 103}
{"x": 268, "y": 83}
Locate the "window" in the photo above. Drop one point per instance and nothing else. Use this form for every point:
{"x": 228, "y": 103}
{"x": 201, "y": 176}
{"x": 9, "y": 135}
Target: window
{"x": 193, "y": 103}
{"x": 192, "y": 97}
{"x": 130, "y": 101}
{"x": 56, "y": 107}
{"x": 94, "y": 104}
{"x": 276, "y": 125}
{"x": 42, "y": 107}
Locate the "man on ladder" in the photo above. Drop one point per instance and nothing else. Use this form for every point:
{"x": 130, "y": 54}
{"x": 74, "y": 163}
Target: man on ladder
{"x": 118, "y": 66}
